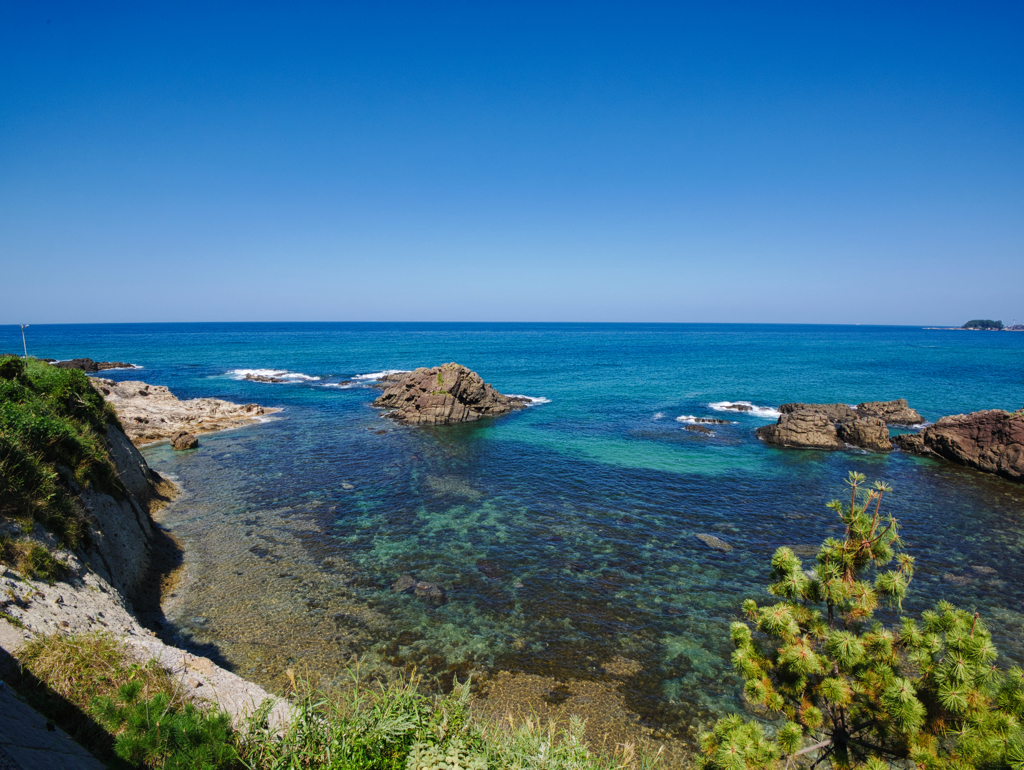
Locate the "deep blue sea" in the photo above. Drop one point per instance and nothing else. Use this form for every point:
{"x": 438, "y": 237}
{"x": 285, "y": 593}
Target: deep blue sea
{"x": 564, "y": 535}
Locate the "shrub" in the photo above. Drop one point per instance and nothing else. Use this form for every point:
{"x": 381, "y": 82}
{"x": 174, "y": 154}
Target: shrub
{"x": 855, "y": 691}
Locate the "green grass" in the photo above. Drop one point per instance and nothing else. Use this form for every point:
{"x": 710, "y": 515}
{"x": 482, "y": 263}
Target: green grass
{"x": 133, "y": 715}
{"x": 52, "y": 425}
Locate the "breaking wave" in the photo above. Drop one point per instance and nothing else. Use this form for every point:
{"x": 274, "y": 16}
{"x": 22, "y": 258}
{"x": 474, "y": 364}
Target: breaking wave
{"x": 764, "y": 412}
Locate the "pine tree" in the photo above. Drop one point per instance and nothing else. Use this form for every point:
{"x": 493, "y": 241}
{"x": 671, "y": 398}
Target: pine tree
{"x": 856, "y": 693}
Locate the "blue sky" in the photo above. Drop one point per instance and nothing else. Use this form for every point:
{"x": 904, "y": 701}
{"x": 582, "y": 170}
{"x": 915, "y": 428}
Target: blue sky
{"x": 511, "y": 161}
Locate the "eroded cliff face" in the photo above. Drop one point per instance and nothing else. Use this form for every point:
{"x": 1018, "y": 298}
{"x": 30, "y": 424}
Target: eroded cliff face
{"x": 104, "y": 576}
{"x": 122, "y": 531}
{"x": 102, "y": 581}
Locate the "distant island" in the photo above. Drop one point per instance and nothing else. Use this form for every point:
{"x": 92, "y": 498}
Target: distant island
{"x": 980, "y": 324}
{"x": 984, "y": 324}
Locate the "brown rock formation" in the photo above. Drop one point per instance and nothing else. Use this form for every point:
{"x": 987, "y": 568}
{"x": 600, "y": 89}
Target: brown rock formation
{"x": 444, "y": 394}
{"x": 991, "y": 441}
{"x": 869, "y": 433}
{"x": 152, "y": 413}
{"x": 802, "y": 429}
{"x": 896, "y": 412}
{"x": 184, "y": 440}
{"x": 832, "y": 426}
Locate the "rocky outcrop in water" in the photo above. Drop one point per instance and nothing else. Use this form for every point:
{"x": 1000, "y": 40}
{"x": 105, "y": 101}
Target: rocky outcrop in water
{"x": 802, "y": 429}
{"x": 896, "y": 412}
{"x": 88, "y": 365}
{"x": 152, "y": 413}
{"x": 834, "y": 426}
{"x": 444, "y": 394}
{"x": 991, "y": 441}
{"x": 183, "y": 440}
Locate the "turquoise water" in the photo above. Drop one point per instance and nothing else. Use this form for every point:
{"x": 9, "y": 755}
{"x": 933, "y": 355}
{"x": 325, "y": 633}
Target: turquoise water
{"x": 564, "y": 535}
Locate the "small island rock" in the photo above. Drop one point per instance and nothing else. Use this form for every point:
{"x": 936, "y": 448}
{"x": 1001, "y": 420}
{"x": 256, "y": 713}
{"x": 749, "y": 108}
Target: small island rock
{"x": 442, "y": 395}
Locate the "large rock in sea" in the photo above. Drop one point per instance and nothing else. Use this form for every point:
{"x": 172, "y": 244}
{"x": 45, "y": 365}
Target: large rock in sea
{"x": 802, "y": 429}
{"x": 442, "y": 395}
{"x": 991, "y": 441}
{"x": 834, "y": 426}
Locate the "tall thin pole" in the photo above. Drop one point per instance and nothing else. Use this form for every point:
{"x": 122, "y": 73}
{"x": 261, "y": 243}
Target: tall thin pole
{"x": 23, "y": 344}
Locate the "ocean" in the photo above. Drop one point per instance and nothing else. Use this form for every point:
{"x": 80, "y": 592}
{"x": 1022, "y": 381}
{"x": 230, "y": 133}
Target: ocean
{"x": 565, "y": 535}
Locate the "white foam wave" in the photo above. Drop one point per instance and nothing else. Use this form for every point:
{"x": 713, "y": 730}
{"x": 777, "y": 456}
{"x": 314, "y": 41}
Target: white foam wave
{"x": 764, "y": 412}
{"x": 658, "y": 415}
{"x": 686, "y": 418}
{"x": 280, "y": 374}
{"x": 532, "y": 400}
{"x": 342, "y": 385}
{"x": 378, "y": 375}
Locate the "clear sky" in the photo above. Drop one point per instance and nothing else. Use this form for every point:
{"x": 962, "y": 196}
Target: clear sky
{"x": 511, "y": 161}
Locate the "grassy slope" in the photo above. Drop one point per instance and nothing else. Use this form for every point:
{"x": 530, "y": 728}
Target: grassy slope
{"x": 52, "y": 425}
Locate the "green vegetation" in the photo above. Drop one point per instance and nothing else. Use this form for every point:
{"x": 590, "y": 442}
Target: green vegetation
{"x": 854, "y": 691}
{"x": 132, "y": 715}
{"x": 61, "y": 676}
{"x": 152, "y": 733}
{"x": 52, "y": 425}
{"x": 983, "y": 324}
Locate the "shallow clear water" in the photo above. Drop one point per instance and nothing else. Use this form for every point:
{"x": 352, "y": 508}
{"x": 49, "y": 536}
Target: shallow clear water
{"x": 564, "y": 535}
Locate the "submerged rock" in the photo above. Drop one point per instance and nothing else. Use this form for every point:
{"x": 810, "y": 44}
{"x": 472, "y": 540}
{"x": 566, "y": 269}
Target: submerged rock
{"x": 699, "y": 429}
{"x": 991, "y": 441}
{"x": 261, "y": 378}
{"x": 712, "y": 541}
{"x": 442, "y": 395}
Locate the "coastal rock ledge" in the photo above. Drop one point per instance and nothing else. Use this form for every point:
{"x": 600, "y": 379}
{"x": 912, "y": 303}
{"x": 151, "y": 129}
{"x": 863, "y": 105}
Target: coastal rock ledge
{"x": 991, "y": 441}
{"x": 442, "y": 395}
{"x": 152, "y": 413}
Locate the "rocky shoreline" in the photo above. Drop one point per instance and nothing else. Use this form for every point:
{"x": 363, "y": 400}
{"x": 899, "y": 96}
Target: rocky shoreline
{"x": 114, "y": 580}
{"x": 151, "y": 413}
{"x": 991, "y": 441}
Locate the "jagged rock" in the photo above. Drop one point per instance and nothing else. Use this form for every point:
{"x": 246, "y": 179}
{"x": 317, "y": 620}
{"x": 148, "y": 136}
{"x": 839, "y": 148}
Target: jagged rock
{"x": 832, "y": 412}
{"x": 152, "y": 413}
{"x": 711, "y": 541}
{"x": 867, "y": 433}
{"x": 699, "y": 429}
{"x": 896, "y": 412}
{"x": 444, "y": 394}
{"x": 739, "y": 407}
{"x": 826, "y": 426}
{"x": 805, "y": 429}
{"x": 991, "y": 441}
{"x": 710, "y": 421}
{"x": 261, "y": 378}
{"x": 88, "y": 365}
{"x": 184, "y": 440}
